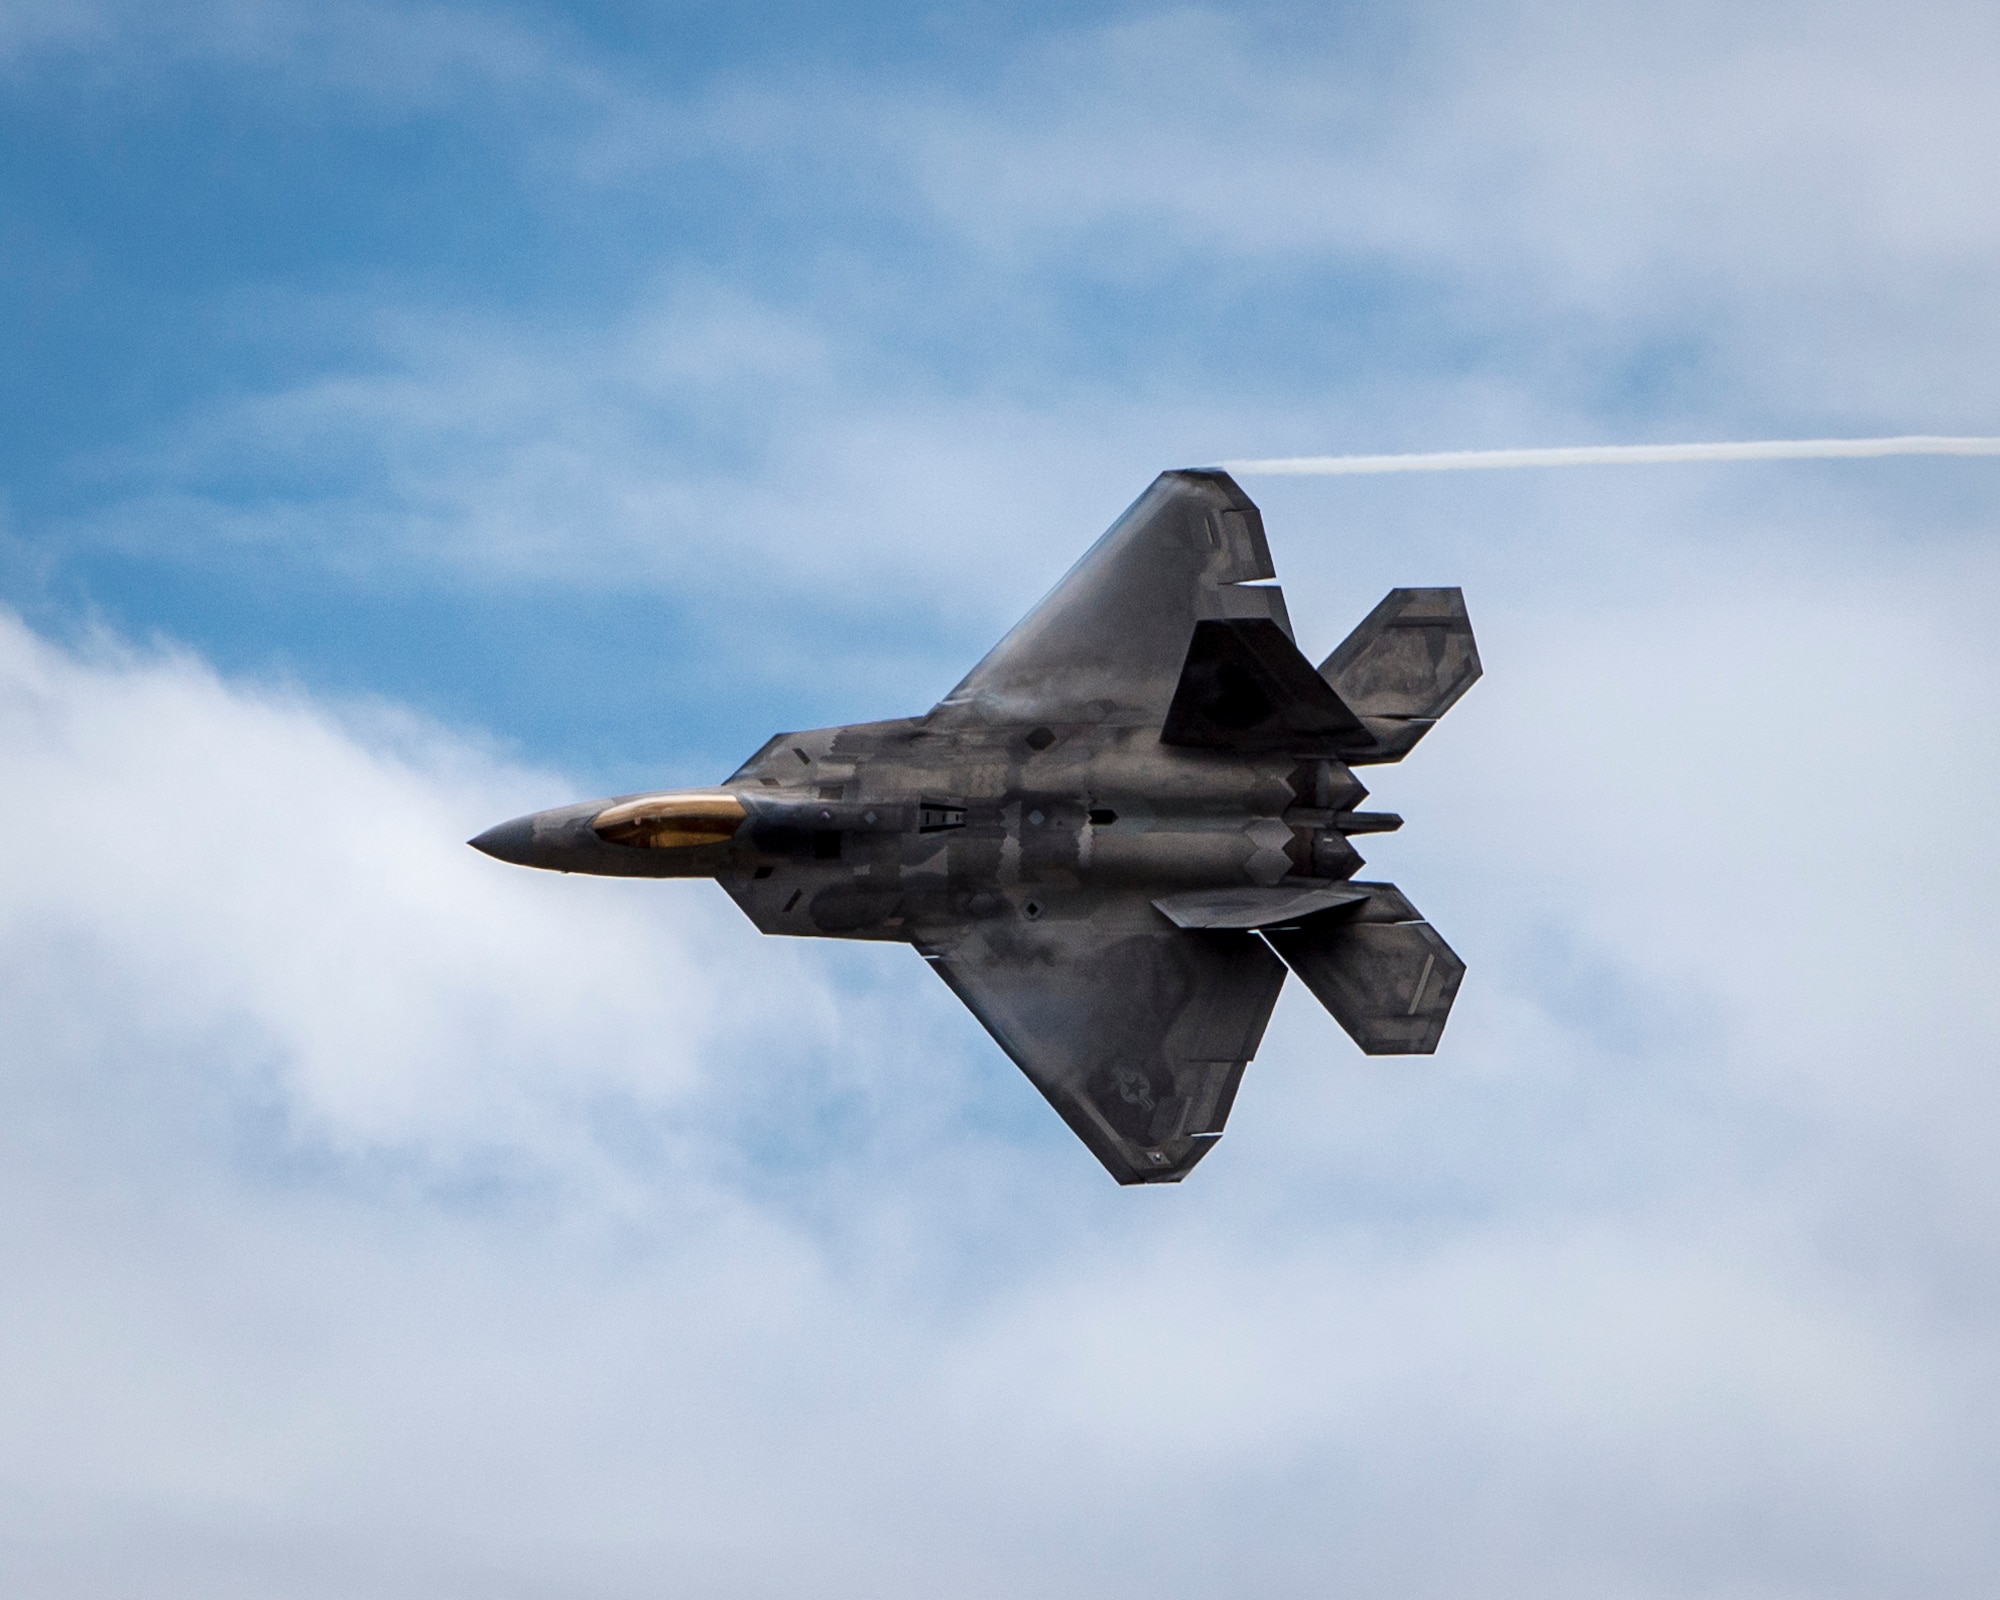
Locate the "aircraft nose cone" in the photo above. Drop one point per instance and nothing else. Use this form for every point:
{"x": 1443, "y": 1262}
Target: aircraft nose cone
{"x": 508, "y": 841}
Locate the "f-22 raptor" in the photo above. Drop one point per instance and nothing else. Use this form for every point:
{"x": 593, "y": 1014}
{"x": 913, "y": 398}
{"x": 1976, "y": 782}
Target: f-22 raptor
{"x": 1113, "y": 837}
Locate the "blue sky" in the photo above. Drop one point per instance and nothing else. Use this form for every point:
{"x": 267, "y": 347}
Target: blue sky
{"x": 346, "y": 336}
{"x": 420, "y": 414}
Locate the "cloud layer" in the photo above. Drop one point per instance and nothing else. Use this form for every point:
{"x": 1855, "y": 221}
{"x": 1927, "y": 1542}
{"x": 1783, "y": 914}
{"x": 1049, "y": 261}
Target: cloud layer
{"x": 390, "y": 1222}
{"x": 382, "y": 1221}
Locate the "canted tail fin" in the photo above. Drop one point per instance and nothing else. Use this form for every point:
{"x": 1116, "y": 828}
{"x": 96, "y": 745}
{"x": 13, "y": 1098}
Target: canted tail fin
{"x": 1245, "y": 687}
{"x": 1403, "y": 668}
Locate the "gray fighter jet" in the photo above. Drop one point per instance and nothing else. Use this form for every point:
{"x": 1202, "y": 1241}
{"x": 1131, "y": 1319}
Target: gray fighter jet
{"x": 1113, "y": 837}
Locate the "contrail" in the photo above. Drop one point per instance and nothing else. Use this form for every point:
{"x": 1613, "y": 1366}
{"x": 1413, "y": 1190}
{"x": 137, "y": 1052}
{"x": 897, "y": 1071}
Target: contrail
{"x": 1604, "y": 455}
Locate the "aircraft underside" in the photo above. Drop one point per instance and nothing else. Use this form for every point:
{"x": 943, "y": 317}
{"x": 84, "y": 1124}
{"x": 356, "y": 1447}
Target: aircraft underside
{"x": 1113, "y": 838}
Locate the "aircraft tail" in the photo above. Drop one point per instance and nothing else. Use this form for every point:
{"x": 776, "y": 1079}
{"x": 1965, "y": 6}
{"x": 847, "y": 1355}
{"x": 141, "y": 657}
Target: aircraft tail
{"x": 1245, "y": 687}
{"x": 1403, "y": 668}
{"x": 1384, "y": 972}
{"x": 1366, "y": 953}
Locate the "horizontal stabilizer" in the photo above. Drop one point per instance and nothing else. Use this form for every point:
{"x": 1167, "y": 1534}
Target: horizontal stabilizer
{"x": 1245, "y": 687}
{"x": 1385, "y": 974}
{"x": 1253, "y": 907}
{"x": 1403, "y": 668}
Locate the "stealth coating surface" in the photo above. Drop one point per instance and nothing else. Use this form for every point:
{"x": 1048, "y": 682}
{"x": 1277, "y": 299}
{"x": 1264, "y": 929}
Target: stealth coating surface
{"x": 1136, "y": 1033}
{"x": 1101, "y": 836}
{"x": 1107, "y": 644}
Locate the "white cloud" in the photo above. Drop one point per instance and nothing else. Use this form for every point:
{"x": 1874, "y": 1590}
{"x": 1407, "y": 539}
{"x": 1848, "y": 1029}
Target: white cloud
{"x": 393, "y": 1222}
{"x": 1565, "y": 149}
{"x": 382, "y": 1221}
{"x": 1696, "y": 224}
{"x": 287, "y": 904}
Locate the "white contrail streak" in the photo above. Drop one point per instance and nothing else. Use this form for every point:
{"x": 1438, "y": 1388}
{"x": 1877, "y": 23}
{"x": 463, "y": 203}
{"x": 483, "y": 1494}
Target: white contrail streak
{"x": 1605, "y": 455}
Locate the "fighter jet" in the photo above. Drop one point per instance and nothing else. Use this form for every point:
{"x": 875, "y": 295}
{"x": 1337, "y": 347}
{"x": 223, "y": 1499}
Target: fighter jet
{"x": 1113, "y": 838}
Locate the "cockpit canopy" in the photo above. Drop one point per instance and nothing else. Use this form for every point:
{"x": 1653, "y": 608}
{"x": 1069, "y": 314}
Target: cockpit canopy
{"x": 676, "y": 821}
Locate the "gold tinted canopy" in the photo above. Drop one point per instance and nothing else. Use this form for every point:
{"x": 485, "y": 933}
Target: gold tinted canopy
{"x": 675, "y": 821}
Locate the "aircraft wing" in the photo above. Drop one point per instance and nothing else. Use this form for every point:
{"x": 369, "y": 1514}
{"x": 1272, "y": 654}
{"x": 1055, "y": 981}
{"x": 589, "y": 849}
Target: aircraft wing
{"x": 1135, "y": 1031}
{"x": 1107, "y": 645}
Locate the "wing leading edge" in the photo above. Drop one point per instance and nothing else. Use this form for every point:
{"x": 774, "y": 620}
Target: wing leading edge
{"x": 1135, "y": 1018}
{"x": 1137, "y": 1032}
{"x": 1106, "y": 645}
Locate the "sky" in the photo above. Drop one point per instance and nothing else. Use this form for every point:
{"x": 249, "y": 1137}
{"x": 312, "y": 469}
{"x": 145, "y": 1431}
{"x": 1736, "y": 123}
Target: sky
{"x": 415, "y": 415}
